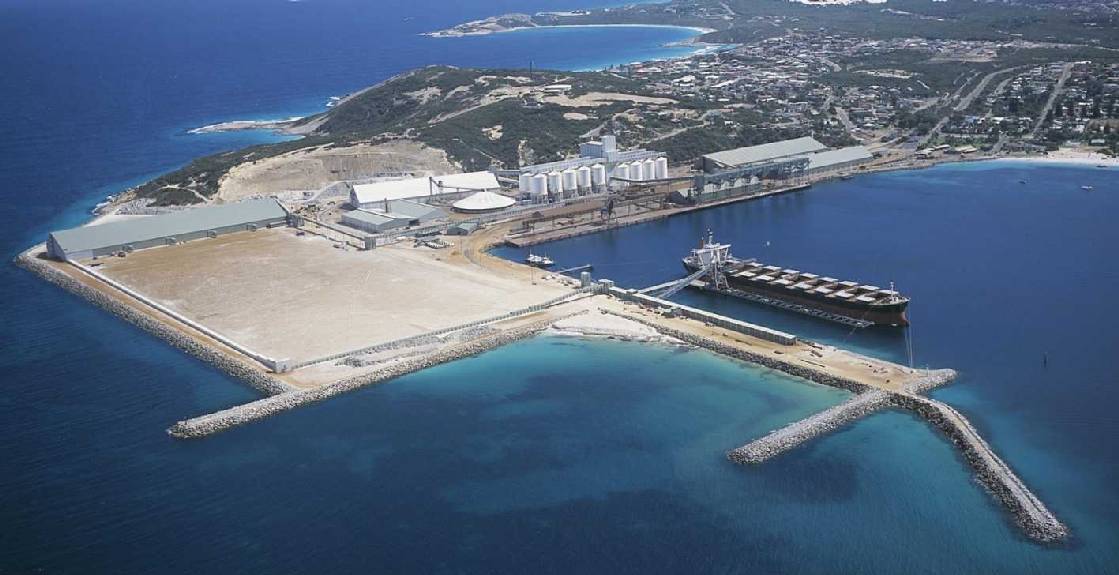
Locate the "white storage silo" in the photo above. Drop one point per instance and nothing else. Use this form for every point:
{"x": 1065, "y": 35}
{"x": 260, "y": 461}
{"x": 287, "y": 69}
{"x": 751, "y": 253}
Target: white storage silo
{"x": 598, "y": 176}
{"x": 539, "y": 185}
{"x": 662, "y": 168}
{"x": 584, "y": 177}
{"x": 524, "y": 183}
{"x": 621, "y": 171}
{"x": 637, "y": 171}
{"x": 555, "y": 183}
{"x": 649, "y": 168}
{"x": 570, "y": 180}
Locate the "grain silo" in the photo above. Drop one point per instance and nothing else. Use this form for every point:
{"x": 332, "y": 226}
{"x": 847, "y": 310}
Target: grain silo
{"x": 555, "y": 183}
{"x": 598, "y": 176}
{"x": 584, "y": 178}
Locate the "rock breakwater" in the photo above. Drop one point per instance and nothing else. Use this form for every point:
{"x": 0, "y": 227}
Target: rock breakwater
{"x": 1035, "y": 519}
{"x": 227, "y": 363}
{"x": 813, "y": 375}
{"x": 210, "y": 424}
{"x": 798, "y": 432}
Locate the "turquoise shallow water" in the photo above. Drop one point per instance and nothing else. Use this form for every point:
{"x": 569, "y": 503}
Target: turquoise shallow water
{"x": 1002, "y": 274}
{"x": 550, "y": 455}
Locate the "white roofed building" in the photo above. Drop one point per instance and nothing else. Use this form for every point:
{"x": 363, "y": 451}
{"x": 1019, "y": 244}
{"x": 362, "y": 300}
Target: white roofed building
{"x": 368, "y": 195}
{"x": 483, "y": 202}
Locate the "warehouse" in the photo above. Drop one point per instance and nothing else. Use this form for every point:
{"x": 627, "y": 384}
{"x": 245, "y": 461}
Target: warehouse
{"x": 417, "y": 212}
{"x": 771, "y": 152}
{"x": 841, "y": 159}
{"x": 374, "y": 223}
{"x": 391, "y": 215}
{"x": 164, "y": 229}
{"x": 365, "y": 196}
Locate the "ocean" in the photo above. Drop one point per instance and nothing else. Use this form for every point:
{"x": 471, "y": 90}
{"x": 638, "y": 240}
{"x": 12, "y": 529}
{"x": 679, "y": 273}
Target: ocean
{"x": 550, "y": 455}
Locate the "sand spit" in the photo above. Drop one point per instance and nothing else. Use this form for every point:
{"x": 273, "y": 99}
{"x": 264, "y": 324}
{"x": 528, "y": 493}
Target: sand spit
{"x": 228, "y": 363}
{"x": 1039, "y": 523}
{"x": 216, "y": 422}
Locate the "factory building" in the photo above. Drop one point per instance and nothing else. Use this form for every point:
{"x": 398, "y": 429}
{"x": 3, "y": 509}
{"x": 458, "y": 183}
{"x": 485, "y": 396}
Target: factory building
{"x": 365, "y": 196}
{"x": 775, "y": 153}
{"x": 392, "y": 214}
{"x": 164, "y": 229}
{"x": 600, "y": 164}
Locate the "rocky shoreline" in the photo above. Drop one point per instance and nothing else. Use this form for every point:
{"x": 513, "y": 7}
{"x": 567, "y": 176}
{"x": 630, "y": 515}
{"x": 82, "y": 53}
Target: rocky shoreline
{"x": 242, "y": 370}
{"x": 216, "y": 422}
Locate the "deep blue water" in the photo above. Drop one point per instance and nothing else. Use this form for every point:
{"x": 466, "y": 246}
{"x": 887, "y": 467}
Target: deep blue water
{"x": 1001, "y": 276}
{"x": 549, "y": 455}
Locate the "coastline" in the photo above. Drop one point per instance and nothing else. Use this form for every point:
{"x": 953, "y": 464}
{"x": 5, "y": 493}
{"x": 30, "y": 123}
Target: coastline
{"x": 453, "y": 33}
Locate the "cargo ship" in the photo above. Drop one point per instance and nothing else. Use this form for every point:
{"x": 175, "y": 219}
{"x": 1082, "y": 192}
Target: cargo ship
{"x": 864, "y": 304}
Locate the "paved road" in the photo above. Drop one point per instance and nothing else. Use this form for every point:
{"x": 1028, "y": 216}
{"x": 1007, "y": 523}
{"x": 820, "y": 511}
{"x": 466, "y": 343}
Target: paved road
{"x": 1066, "y": 71}
{"x": 966, "y": 101}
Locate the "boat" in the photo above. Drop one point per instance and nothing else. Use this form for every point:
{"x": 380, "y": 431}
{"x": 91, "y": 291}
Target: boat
{"x": 539, "y": 261}
{"x": 799, "y": 290}
{"x": 1087, "y": 188}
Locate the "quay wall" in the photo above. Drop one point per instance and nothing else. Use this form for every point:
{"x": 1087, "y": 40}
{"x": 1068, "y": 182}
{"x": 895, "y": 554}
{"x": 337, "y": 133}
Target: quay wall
{"x": 1038, "y": 522}
{"x": 227, "y": 363}
{"x": 798, "y": 432}
{"x": 216, "y": 422}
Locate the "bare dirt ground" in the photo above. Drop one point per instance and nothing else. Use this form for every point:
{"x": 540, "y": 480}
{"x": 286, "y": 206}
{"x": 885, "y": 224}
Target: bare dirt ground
{"x": 296, "y": 297}
{"x": 312, "y": 169}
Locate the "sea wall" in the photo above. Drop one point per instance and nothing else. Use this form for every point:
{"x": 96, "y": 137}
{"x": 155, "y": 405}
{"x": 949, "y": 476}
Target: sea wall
{"x": 721, "y": 348}
{"x": 1039, "y": 523}
{"x": 419, "y": 339}
{"x": 228, "y": 363}
{"x": 758, "y": 331}
{"x": 216, "y": 422}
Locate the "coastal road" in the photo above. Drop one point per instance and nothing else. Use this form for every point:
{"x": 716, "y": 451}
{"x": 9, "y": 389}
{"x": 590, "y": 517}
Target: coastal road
{"x": 1066, "y": 71}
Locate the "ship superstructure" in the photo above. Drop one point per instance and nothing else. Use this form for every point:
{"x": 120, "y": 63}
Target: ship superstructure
{"x": 862, "y": 304}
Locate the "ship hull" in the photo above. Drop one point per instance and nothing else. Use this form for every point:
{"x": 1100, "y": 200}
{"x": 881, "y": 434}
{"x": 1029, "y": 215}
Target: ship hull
{"x": 890, "y": 314}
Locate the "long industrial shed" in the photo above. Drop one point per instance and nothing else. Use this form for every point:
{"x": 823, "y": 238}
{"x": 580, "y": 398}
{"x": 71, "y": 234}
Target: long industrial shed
{"x": 164, "y": 229}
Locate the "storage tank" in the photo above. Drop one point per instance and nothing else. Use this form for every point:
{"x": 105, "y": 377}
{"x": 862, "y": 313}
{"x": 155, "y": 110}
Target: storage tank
{"x": 621, "y": 171}
{"x": 649, "y": 168}
{"x": 598, "y": 175}
{"x": 555, "y": 182}
{"x": 570, "y": 180}
{"x": 584, "y": 177}
{"x": 637, "y": 171}
{"x": 524, "y": 183}
{"x": 539, "y": 185}
{"x": 662, "y": 168}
